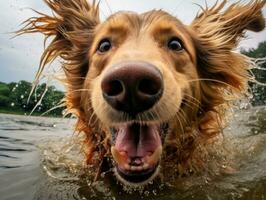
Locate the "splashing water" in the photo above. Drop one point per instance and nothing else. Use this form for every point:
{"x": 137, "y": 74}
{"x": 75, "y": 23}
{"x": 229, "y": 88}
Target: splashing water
{"x": 65, "y": 176}
{"x": 243, "y": 147}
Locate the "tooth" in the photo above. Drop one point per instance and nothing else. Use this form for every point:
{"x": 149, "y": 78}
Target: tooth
{"x": 155, "y": 156}
{"x": 139, "y": 168}
{"x": 145, "y": 166}
{"x": 127, "y": 167}
{"x": 133, "y": 168}
{"x": 120, "y": 159}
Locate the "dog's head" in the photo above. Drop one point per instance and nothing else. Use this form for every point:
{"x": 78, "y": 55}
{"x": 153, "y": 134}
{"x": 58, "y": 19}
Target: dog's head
{"x": 138, "y": 77}
{"x": 142, "y": 82}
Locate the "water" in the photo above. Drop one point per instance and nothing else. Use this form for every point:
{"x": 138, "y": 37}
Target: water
{"x": 40, "y": 159}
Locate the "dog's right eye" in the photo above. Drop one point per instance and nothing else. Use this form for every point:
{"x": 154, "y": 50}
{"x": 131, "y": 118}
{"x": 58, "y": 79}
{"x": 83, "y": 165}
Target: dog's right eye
{"x": 175, "y": 44}
{"x": 104, "y": 46}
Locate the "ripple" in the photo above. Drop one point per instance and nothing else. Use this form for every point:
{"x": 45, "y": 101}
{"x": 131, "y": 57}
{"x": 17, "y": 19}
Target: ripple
{"x": 9, "y": 167}
{"x": 8, "y": 156}
{"x": 15, "y": 129}
{"x": 17, "y": 149}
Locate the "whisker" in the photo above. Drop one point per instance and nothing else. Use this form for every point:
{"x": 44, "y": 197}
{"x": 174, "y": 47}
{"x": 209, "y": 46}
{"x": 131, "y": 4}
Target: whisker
{"x": 183, "y": 115}
{"x": 192, "y": 105}
{"x": 180, "y": 124}
{"x": 90, "y": 109}
{"x": 212, "y": 80}
{"x": 54, "y": 108}
{"x": 91, "y": 117}
{"x": 197, "y": 104}
{"x": 193, "y": 98}
{"x": 76, "y": 77}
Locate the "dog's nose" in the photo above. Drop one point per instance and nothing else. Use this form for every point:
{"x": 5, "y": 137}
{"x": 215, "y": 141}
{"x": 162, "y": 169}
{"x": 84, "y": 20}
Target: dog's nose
{"x": 132, "y": 87}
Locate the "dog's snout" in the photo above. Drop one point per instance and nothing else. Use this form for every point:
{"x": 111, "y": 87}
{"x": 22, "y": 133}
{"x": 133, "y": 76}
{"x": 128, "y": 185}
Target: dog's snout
{"x": 132, "y": 87}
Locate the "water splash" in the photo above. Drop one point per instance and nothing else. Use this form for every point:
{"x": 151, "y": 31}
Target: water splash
{"x": 62, "y": 159}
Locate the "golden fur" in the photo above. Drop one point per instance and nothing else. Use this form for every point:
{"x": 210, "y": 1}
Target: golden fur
{"x": 200, "y": 82}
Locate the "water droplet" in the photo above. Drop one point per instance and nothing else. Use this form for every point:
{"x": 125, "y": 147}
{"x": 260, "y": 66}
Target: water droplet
{"x": 12, "y": 104}
{"x": 146, "y": 193}
{"x": 22, "y": 96}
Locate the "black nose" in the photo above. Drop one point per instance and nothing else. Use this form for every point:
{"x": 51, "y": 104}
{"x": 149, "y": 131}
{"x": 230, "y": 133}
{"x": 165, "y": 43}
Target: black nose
{"x": 132, "y": 87}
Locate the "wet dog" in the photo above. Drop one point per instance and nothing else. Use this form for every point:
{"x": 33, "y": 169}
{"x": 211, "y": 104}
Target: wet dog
{"x": 148, "y": 91}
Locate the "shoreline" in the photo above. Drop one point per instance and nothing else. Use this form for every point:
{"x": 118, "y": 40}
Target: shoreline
{"x": 32, "y": 115}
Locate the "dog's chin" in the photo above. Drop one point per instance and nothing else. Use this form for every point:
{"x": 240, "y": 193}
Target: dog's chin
{"x": 136, "y": 150}
{"x": 136, "y": 179}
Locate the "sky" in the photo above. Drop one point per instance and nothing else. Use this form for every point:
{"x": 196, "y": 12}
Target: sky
{"x": 19, "y": 56}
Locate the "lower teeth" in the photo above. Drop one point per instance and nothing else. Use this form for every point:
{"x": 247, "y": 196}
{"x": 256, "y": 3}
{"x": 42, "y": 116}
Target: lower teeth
{"x": 149, "y": 160}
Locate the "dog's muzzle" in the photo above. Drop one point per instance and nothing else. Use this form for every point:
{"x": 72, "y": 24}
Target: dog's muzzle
{"x": 133, "y": 88}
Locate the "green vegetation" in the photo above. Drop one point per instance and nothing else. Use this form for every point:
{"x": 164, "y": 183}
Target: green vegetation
{"x": 14, "y": 99}
{"x": 258, "y": 91}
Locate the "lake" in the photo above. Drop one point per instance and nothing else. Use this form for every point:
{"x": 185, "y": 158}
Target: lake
{"x": 40, "y": 159}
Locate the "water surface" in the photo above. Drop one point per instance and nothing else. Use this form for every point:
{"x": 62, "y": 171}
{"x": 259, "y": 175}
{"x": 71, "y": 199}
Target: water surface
{"x": 40, "y": 159}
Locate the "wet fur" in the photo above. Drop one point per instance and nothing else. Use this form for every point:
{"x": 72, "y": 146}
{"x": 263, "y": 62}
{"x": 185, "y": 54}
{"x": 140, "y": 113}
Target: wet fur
{"x": 200, "y": 83}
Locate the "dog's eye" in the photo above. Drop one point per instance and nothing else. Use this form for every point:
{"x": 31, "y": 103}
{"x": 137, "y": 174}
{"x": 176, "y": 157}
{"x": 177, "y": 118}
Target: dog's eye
{"x": 175, "y": 44}
{"x": 104, "y": 46}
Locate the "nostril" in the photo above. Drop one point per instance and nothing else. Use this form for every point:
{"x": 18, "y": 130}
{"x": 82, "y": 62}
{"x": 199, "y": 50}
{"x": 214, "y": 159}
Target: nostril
{"x": 113, "y": 88}
{"x": 132, "y": 87}
{"x": 149, "y": 87}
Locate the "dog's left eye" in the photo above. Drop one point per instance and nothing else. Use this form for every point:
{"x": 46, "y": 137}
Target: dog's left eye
{"x": 104, "y": 46}
{"x": 175, "y": 44}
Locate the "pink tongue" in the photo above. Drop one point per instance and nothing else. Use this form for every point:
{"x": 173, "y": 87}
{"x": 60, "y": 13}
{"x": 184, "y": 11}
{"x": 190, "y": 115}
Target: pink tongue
{"x": 137, "y": 141}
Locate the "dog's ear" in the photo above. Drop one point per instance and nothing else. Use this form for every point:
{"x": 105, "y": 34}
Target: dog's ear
{"x": 227, "y": 26}
{"x": 71, "y": 27}
{"x": 216, "y": 32}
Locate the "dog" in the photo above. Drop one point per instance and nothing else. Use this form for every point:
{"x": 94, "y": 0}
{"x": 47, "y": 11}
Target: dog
{"x": 149, "y": 93}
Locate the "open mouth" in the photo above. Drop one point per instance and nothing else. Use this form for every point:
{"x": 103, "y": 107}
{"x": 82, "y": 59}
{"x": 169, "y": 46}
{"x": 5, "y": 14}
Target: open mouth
{"x": 137, "y": 149}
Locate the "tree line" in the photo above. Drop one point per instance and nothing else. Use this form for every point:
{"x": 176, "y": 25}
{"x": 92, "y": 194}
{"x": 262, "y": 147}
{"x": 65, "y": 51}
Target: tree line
{"x": 14, "y": 98}
{"x": 258, "y": 90}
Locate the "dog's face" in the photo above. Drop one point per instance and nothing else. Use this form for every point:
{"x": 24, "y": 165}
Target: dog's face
{"x": 140, "y": 71}
{"x": 140, "y": 83}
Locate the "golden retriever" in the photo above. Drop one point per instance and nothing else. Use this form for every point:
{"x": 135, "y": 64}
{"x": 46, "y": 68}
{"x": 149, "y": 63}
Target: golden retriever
{"x": 149, "y": 92}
